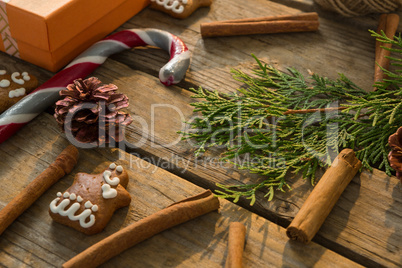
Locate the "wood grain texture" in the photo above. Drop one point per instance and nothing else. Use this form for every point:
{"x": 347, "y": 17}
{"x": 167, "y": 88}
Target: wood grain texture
{"x": 365, "y": 225}
{"x": 159, "y": 114}
{"x": 337, "y": 46}
{"x": 33, "y": 240}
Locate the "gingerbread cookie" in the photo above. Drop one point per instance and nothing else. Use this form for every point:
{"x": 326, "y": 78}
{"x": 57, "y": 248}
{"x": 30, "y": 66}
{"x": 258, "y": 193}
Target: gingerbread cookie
{"x": 14, "y": 87}
{"x": 179, "y": 8}
{"x": 90, "y": 202}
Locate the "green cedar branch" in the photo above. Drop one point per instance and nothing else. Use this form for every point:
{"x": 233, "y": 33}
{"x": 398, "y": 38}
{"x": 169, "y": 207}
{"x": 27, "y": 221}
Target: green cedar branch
{"x": 280, "y": 123}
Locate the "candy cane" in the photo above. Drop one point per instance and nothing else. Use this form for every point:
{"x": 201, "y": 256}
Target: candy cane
{"x": 48, "y": 93}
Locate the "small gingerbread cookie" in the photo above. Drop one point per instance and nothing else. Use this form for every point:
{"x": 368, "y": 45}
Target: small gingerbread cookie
{"x": 90, "y": 202}
{"x": 180, "y": 9}
{"x": 14, "y": 87}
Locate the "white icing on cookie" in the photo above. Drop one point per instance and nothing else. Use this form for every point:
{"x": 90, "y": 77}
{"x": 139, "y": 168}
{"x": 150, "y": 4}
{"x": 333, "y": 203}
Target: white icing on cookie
{"x": 3, "y": 72}
{"x": 79, "y": 198}
{"x": 95, "y": 208}
{"x": 106, "y": 177}
{"x": 5, "y": 83}
{"x": 112, "y": 166}
{"x": 16, "y": 92}
{"x": 174, "y": 5}
{"x": 70, "y": 212}
{"x": 73, "y": 196}
{"x": 19, "y": 81}
{"x": 66, "y": 194}
{"x": 25, "y": 76}
{"x": 59, "y": 194}
{"x": 88, "y": 204}
{"x": 119, "y": 169}
{"x": 108, "y": 192}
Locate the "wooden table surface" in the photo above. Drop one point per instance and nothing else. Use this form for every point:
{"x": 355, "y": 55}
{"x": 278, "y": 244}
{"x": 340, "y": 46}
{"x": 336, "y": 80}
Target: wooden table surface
{"x": 364, "y": 228}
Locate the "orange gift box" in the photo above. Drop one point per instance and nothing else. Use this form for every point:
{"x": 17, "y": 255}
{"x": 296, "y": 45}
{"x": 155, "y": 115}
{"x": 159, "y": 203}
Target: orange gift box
{"x": 52, "y": 33}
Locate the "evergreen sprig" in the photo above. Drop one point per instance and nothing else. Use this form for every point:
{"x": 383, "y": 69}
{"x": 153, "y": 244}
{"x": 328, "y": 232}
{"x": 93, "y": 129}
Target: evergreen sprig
{"x": 280, "y": 123}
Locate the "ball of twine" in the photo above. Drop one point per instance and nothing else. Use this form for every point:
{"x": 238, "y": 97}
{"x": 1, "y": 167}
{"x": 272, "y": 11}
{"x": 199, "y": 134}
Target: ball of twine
{"x": 351, "y": 8}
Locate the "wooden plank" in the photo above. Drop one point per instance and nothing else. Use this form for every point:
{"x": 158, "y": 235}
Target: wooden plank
{"x": 33, "y": 240}
{"x": 344, "y": 43}
{"x": 161, "y": 112}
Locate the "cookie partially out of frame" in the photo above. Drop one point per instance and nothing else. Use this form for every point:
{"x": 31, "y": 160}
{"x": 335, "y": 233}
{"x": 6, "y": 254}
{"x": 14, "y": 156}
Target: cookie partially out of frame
{"x": 180, "y": 9}
{"x": 89, "y": 204}
{"x": 15, "y": 86}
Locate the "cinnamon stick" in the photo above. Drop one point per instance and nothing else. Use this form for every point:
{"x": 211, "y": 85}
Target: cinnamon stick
{"x": 137, "y": 232}
{"x": 389, "y": 24}
{"x": 264, "y": 25}
{"x": 323, "y": 197}
{"x": 301, "y": 16}
{"x": 237, "y": 237}
{"x": 63, "y": 165}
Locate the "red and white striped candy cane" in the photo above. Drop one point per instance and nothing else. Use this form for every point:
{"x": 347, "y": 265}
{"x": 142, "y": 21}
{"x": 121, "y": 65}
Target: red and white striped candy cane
{"x": 48, "y": 93}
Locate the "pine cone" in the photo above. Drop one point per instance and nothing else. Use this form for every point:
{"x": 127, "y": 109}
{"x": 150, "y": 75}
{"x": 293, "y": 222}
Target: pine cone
{"x": 395, "y": 156}
{"x": 90, "y": 111}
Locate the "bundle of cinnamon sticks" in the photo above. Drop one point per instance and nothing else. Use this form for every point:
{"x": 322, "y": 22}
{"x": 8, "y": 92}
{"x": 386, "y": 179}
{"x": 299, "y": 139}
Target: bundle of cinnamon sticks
{"x": 273, "y": 24}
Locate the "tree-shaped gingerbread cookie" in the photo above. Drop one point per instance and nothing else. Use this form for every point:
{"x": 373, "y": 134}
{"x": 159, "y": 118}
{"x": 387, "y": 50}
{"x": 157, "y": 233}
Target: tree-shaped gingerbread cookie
{"x": 90, "y": 202}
